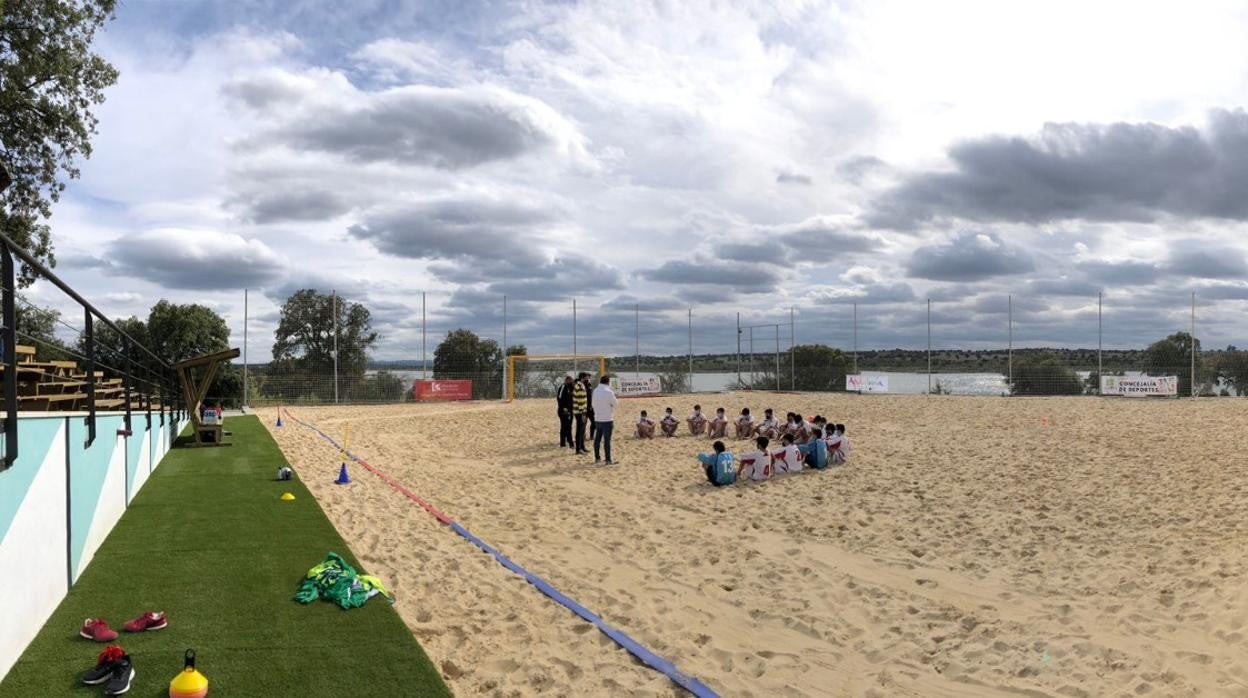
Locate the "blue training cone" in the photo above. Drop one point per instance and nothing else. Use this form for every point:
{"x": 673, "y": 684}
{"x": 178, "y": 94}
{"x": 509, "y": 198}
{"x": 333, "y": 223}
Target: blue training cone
{"x": 279, "y": 420}
{"x": 343, "y": 478}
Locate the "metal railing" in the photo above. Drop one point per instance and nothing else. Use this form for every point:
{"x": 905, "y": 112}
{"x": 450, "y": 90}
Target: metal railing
{"x": 139, "y": 369}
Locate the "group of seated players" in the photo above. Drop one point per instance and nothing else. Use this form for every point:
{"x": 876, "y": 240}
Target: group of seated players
{"x": 815, "y": 443}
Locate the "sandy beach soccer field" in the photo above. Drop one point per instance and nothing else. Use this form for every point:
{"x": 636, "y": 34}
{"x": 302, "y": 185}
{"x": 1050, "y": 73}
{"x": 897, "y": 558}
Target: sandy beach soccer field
{"x": 973, "y": 546}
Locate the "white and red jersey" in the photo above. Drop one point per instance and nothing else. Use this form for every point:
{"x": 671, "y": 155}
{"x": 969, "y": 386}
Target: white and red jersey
{"x": 670, "y": 419}
{"x": 757, "y": 465}
{"x": 768, "y": 423}
{"x": 786, "y": 460}
{"x": 745, "y": 420}
{"x": 697, "y": 417}
{"x": 838, "y": 447}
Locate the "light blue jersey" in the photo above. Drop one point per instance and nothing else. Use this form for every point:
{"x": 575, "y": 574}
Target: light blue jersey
{"x": 816, "y": 453}
{"x": 721, "y": 468}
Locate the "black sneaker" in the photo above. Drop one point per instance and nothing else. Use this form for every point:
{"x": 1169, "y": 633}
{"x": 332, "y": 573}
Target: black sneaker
{"x": 103, "y": 666}
{"x": 119, "y": 680}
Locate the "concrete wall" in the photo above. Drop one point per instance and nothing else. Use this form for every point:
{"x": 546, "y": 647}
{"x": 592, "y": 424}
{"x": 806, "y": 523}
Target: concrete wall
{"x": 58, "y": 503}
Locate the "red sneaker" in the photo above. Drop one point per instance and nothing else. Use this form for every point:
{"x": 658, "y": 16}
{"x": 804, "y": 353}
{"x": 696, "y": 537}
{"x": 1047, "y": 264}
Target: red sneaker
{"x": 96, "y": 629}
{"x": 148, "y": 621}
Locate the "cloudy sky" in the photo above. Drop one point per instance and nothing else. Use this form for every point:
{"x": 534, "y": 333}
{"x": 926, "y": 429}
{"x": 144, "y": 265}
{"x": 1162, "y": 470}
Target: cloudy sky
{"x": 729, "y": 157}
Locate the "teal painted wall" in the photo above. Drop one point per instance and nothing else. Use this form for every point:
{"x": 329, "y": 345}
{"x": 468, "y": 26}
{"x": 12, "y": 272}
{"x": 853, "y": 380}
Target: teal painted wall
{"x": 87, "y": 470}
{"x": 134, "y": 449}
{"x": 34, "y": 437}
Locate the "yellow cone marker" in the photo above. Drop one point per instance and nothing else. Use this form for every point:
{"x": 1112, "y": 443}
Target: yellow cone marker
{"x": 288, "y": 497}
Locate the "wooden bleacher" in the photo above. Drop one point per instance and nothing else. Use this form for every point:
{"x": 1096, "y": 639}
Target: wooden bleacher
{"x": 61, "y": 386}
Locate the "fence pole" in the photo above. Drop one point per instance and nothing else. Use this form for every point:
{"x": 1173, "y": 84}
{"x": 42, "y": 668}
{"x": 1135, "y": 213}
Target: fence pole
{"x": 1100, "y": 331}
{"x": 751, "y": 357}
{"x": 637, "y": 338}
{"x": 855, "y": 338}
{"x": 1010, "y": 355}
{"x": 246, "y": 394}
{"x": 691, "y": 350}
{"x": 929, "y": 345}
{"x": 424, "y": 335}
{"x": 792, "y": 351}
{"x": 738, "y": 348}
{"x": 503, "y": 392}
{"x": 575, "y": 363}
{"x": 334, "y": 298}
{"x": 777, "y": 357}
{"x": 1192, "y": 348}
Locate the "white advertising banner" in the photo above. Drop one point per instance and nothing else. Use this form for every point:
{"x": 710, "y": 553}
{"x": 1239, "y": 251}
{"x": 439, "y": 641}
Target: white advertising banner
{"x": 637, "y": 387}
{"x": 1139, "y": 386}
{"x": 866, "y": 384}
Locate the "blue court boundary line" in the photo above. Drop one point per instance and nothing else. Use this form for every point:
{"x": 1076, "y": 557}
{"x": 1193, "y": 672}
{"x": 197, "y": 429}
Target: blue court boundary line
{"x": 647, "y": 657}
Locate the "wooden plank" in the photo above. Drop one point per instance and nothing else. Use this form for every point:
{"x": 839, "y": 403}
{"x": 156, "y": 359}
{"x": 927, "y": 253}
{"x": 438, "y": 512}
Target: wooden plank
{"x": 209, "y": 358}
{"x": 24, "y": 350}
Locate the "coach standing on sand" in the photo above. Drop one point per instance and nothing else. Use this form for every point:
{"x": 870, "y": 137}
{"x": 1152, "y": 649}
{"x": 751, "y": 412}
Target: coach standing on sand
{"x": 604, "y": 416}
{"x": 563, "y": 402}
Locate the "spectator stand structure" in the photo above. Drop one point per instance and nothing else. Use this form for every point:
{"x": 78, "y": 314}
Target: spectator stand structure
{"x": 207, "y": 432}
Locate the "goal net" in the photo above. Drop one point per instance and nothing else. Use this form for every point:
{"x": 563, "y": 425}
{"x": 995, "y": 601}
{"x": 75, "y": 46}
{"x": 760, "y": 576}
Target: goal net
{"x": 541, "y": 376}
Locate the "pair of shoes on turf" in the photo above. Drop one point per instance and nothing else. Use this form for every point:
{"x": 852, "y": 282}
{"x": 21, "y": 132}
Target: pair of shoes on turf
{"x": 114, "y": 669}
{"x": 97, "y": 629}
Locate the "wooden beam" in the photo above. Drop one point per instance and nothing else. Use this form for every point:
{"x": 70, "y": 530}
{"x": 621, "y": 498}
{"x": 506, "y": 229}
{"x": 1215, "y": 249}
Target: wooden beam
{"x": 209, "y": 358}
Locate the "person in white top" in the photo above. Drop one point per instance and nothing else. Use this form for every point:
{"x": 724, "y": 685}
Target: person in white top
{"x": 786, "y": 459}
{"x": 645, "y": 427}
{"x": 604, "y": 402}
{"x": 755, "y": 465}
{"x": 838, "y": 444}
{"x": 718, "y": 427}
{"x": 769, "y": 427}
{"x": 745, "y": 424}
{"x": 697, "y": 421}
{"x": 669, "y": 423}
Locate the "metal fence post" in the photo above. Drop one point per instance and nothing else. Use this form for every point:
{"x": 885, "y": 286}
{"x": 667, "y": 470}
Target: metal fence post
{"x": 855, "y": 338}
{"x": 777, "y": 357}
{"x": 792, "y": 351}
{"x": 334, "y": 300}
{"x": 246, "y": 394}
{"x": 738, "y": 349}
{"x": 1100, "y": 331}
{"x": 929, "y": 345}
{"x": 1192, "y": 347}
{"x": 691, "y": 350}
{"x": 506, "y": 361}
{"x": 424, "y": 339}
{"x": 1010, "y": 355}
{"x": 9, "y": 280}
{"x": 89, "y": 335}
{"x": 575, "y": 363}
{"x": 637, "y": 338}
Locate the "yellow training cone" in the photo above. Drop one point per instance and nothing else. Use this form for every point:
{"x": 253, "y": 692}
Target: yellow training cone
{"x": 288, "y": 497}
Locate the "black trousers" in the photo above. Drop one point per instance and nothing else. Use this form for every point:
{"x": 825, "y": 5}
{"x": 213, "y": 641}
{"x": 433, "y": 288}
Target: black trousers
{"x": 565, "y": 429}
{"x": 580, "y": 433}
{"x": 592, "y": 424}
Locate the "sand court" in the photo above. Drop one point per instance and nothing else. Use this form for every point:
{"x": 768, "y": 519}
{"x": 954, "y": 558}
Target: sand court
{"x": 972, "y": 546}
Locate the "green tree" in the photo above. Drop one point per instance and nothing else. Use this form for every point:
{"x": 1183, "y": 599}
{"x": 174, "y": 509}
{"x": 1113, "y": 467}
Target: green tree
{"x": 465, "y": 356}
{"x": 49, "y": 82}
{"x": 110, "y": 347}
{"x": 817, "y": 367}
{"x": 303, "y": 346}
{"x": 179, "y": 332}
{"x": 1232, "y": 367}
{"x": 1044, "y": 374}
{"x": 37, "y": 327}
{"x": 1172, "y": 356}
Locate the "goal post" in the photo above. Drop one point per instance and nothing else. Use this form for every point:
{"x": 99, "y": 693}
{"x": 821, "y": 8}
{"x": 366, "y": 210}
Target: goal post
{"x": 539, "y": 375}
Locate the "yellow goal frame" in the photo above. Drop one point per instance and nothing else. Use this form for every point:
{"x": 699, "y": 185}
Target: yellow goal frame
{"x": 512, "y": 359}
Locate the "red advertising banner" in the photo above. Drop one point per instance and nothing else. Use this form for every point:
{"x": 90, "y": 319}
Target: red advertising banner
{"x": 443, "y": 390}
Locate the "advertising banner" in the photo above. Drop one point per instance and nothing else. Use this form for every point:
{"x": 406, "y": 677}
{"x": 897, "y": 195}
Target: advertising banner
{"x": 860, "y": 383}
{"x": 636, "y": 387}
{"x": 1140, "y": 386}
{"x": 443, "y": 390}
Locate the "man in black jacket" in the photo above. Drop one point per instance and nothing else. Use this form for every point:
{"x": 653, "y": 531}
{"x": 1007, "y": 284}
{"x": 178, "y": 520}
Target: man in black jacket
{"x": 563, "y": 402}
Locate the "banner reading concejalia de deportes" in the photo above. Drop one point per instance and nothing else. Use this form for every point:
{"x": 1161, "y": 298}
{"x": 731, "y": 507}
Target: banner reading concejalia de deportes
{"x": 443, "y": 390}
{"x": 859, "y": 383}
{"x": 636, "y": 387}
{"x": 1139, "y": 386}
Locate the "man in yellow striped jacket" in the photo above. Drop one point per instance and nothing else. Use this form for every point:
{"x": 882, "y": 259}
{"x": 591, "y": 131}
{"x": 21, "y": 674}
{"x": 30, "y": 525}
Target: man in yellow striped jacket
{"x": 580, "y": 409}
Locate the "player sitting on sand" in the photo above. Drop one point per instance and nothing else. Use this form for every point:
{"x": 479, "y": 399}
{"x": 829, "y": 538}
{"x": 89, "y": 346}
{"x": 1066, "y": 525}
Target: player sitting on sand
{"x": 790, "y": 424}
{"x": 838, "y": 445}
{"x": 815, "y": 452}
{"x": 669, "y": 423}
{"x": 786, "y": 459}
{"x": 769, "y": 427}
{"x": 718, "y": 428}
{"x": 697, "y": 421}
{"x": 645, "y": 427}
{"x": 745, "y": 424}
{"x": 720, "y": 469}
{"x": 755, "y": 465}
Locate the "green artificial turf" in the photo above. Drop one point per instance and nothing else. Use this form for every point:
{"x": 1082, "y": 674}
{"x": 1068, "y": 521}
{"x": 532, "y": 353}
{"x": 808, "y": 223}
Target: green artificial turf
{"x": 209, "y": 541}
